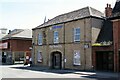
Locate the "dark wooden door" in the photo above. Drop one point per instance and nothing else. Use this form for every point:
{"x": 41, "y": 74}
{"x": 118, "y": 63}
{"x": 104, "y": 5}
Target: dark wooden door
{"x": 104, "y": 61}
{"x": 56, "y": 60}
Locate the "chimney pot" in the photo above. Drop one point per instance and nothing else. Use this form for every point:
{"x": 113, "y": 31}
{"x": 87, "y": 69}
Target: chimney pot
{"x": 108, "y": 10}
{"x": 109, "y": 5}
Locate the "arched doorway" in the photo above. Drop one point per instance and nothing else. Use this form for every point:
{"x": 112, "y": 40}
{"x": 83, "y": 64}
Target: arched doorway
{"x": 56, "y": 60}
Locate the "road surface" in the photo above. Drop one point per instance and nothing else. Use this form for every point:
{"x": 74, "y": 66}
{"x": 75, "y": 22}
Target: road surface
{"x": 8, "y": 71}
{"x": 19, "y": 71}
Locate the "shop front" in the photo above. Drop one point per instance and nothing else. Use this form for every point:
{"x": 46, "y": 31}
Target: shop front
{"x": 105, "y": 61}
{"x": 103, "y": 58}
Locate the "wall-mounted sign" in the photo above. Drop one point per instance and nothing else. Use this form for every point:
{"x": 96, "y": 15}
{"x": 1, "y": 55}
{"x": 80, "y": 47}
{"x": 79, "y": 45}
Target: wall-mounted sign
{"x": 56, "y": 27}
{"x": 4, "y": 45}
{"x": 86, "y": 46}
{"x": 65, "y": 60}
{"x": 55, "y": 46}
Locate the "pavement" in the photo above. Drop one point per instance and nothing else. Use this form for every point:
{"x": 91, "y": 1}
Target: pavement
{"x": 86, "y": 74}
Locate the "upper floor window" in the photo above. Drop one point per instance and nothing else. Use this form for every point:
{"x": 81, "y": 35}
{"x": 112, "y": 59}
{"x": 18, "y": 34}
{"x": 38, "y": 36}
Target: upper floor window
{"x": 40, "y": 39}
{"x": 76, "y": 34}
{"x": 56, "y": 37}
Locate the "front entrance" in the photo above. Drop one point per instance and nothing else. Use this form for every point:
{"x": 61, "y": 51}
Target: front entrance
{"x": 105, "y": 61}
{"x": 56, "y": 60}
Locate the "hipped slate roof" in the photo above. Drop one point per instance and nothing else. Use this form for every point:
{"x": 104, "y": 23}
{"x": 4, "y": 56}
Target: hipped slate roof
{"x": 116, "y": 9}
{"x": 19, "y": 33}
{"x": 106, "y": 33}
{"x": 74, "y": 15}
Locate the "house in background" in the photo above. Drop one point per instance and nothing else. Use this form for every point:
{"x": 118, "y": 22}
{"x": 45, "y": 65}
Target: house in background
{"x": 106, "y": 50}
{"x": 65, "y": 42}
{"x": 16, "y": 45}
{"x": 3, "y": 32}
{"x": 102, "y": 49}
{"x": 116, "y": 33}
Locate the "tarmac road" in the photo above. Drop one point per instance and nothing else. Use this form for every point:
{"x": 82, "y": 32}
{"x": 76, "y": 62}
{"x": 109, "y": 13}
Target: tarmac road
{"x": 19, "y": 71}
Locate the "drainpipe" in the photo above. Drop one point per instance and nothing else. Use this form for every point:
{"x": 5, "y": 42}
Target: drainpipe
{"x": 13, "y": 56}
{"x": 64, "y": 47}
{"x": 93, "y": 53}
{"x": 84, "y": 44}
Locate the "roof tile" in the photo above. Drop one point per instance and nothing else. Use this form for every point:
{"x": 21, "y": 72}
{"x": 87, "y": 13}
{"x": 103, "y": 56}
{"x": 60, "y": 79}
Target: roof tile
{"x": 77, "y": 14}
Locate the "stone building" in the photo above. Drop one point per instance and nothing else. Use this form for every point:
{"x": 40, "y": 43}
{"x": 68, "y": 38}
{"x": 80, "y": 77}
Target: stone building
{"x": 15, "y": 45}
{"x": 65, "y": 42}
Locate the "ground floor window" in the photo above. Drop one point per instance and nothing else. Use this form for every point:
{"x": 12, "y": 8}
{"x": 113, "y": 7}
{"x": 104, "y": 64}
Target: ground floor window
{"x": 39, "y": 57}
{"x": 7, "y": 57}
{"x": 76, "y": 58}
{"x": 19, "y": 56}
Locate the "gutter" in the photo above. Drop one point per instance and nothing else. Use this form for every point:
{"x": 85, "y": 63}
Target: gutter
{"x": 21, "y": 38}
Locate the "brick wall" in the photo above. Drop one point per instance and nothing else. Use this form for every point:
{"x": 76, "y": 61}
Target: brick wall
{"x": 18, "y": 45}
{"x": 116, "y": 31}
{"x": 21, "y": 45}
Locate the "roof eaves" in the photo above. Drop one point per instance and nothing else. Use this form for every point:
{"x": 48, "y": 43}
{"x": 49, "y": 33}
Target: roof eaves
{"x": 12, "y": 34}
{"x": 69, "y": 21}
{"x": 114, "y": 17}
{"x": 15, "y": 38}
{"x": 57, "y": 20}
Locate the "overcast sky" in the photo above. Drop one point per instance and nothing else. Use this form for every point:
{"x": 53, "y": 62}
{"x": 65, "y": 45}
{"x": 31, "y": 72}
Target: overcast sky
{"x": 28, "y": 14}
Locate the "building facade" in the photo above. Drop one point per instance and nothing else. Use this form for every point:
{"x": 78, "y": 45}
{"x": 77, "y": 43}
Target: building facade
{"x": 106, "y": 55}
{"x": 15, "y": 46}
{"x": 103, "y": 49}
{"x": 65, "y": 42}
{"x": 116, "y": 30}
{"x": 3, "y": 32}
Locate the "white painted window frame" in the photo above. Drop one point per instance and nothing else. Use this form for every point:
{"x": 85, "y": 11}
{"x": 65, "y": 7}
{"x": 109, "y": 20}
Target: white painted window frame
{"x": 75, "y": 35}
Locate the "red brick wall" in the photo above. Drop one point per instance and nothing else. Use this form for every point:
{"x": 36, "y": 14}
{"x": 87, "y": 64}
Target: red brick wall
{"x": 18, "y": 45}
{"x": 116, "y": 38}
{"x": 116, "y": 26}
{"x": 21, "y": 45}
{"x": 119, "y": 32}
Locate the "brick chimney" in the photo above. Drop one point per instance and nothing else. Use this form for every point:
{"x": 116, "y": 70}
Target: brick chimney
{"x": 108, "y": 10}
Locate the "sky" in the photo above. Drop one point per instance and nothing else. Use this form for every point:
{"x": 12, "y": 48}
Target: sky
{"x": 28, "y": 14}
